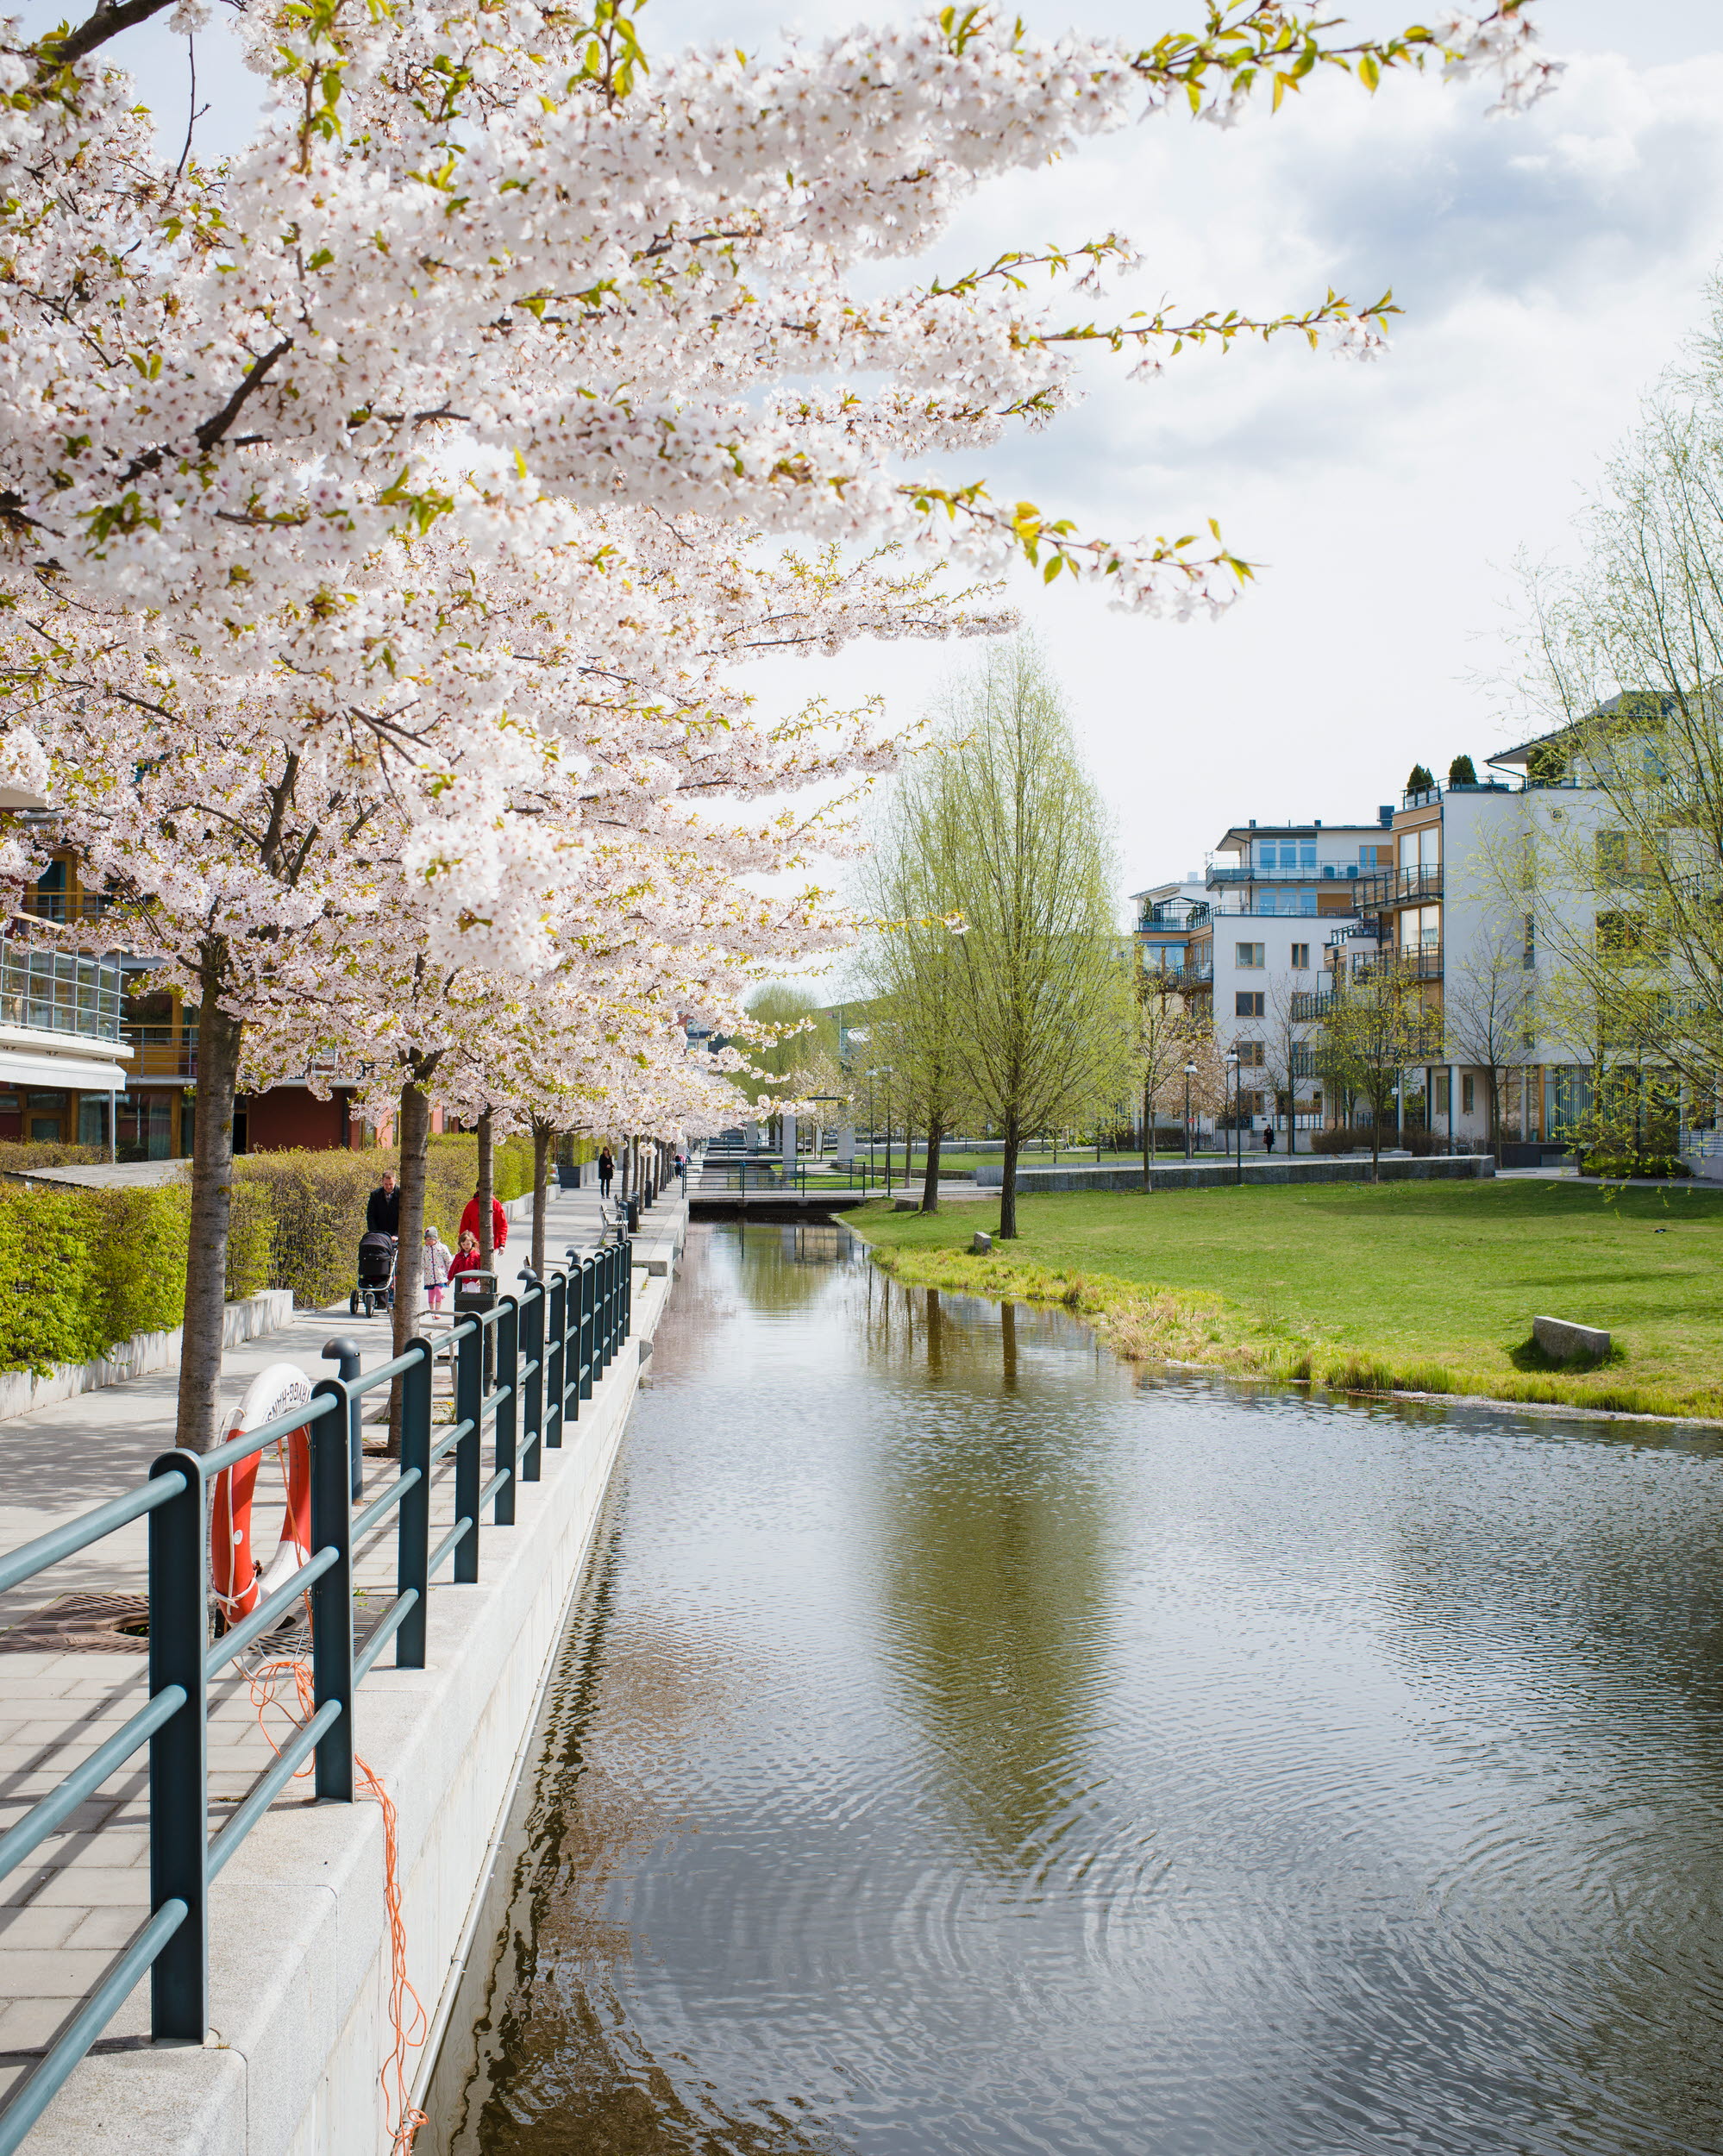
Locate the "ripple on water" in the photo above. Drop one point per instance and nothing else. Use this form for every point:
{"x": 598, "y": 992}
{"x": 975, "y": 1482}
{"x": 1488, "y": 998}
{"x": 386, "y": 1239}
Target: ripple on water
{"x": 966, "y": 1746}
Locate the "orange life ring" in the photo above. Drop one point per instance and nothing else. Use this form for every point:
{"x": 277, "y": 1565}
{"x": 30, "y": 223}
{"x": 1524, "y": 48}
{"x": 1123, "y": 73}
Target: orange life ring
{"x": 239, "y": 1584}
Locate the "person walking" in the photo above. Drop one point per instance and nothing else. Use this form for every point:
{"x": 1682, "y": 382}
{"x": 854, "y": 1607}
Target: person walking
{"x": 383, "y": 1207}
{"x": 607, "y": 1169}
{"x": 499, "y": 1222}
{"x": 1268, "y": 1134}
{"x": 438, "y": 1268}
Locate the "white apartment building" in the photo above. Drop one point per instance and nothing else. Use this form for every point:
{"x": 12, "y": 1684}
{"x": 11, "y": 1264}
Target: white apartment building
{"x": 1273, "y": 895}
{"x": 1283, "y": 910}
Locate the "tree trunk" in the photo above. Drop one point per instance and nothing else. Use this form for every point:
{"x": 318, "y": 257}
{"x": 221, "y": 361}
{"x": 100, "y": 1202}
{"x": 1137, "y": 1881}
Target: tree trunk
{"x": 929, "y": 1181}
{"x": 1008, "y": 1182}
{"x": 413, "y": 1127}
{"x": 1148, "y": 1137}
{"x": 1376, "y": 1145}
{"x": 487, "y": 1191}
{"x": 212, "y": 1169}
{"x": 541, "y": 1136}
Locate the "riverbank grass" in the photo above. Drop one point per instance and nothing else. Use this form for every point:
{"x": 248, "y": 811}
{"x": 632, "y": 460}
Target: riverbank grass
{"x": 1414, "y": 1286}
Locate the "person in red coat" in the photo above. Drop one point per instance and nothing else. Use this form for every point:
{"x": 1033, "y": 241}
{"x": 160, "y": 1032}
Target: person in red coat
{"x": 467, "y": 1258}
{"x": 499, "y": 1222}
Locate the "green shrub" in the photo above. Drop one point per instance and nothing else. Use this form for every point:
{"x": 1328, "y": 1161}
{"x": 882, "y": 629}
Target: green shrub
{"x": 318, "y": 1199}
{"x": 18, "y": 1155}
{"x": 81, "y": 1270}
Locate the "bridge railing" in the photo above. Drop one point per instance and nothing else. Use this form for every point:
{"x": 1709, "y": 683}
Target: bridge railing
{"x": 521, "y": 1372}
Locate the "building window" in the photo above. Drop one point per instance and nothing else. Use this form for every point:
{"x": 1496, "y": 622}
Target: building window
{"x": 1248, "y": 1003}
{"x": 1442, "y": 1095}
{"x": 1249, "y": 957}
{"x": 1300, "y": 957}
{"x": 1530, "y": 958}
{"x": 1466, "y": 1092}
{"x": 1251, "y": 1054}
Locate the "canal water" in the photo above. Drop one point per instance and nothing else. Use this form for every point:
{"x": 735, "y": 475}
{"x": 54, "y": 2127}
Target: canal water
{"x": 968, "y": 1745}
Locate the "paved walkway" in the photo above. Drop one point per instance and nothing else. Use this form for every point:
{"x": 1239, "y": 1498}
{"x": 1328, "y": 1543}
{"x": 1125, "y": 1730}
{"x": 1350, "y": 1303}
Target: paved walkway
{"x": 72, "y": 1905}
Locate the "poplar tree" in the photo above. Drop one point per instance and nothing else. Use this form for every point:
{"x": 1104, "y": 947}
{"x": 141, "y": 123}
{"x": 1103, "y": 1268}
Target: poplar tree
{"x": 1042, "y": 1015}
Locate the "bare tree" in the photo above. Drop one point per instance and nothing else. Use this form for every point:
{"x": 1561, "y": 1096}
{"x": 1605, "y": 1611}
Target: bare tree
{"x": 1488, "y": 1007}
{"x": 1286, "y": 1055}
{"x": 1376, "y": 1026}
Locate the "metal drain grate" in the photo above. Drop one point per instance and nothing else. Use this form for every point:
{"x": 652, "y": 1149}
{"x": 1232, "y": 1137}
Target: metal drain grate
{"x": 82, "y": 1624}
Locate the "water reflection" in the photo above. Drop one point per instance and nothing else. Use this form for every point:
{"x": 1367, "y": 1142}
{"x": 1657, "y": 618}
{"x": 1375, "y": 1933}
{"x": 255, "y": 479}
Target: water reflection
{"x": 966, "y": 1746}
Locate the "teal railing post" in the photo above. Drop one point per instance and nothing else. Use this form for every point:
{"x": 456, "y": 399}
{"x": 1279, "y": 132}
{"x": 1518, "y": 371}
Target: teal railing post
{"x": 532, "y": 1330}
{"x": 469, "y": 1400}
{"x": 179, "y": 1776}
{"x": 557, "y": 1344}
{"x": 345, "y": 1354}
{"x": 332, "y": 1594}
{"x": 607, "y": 1308}
{"x": 506, "y": 1422}
{"x": 413, "y": 1548}
{"x": 589, "y": 1329}
{"x": 626, "y": 1327}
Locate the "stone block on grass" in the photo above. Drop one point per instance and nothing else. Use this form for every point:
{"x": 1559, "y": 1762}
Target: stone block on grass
{"x": 1568, "y": 1342}
{"x": 981, "y": 1246}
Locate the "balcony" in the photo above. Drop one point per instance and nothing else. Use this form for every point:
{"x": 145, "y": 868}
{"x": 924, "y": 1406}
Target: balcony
{"x": 61, "y": 992}
{"x": 1410, "y": 965}
{"x": 1312, "y": 872}
{"x": 1398, "y": 887}
{"x": 1309, "y": 1007}
{"x": 66, "y": 908}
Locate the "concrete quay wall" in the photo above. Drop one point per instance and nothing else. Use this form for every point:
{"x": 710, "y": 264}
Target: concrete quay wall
{"x": 1315, "y": 1168}
{"x": 300, "y": 1964}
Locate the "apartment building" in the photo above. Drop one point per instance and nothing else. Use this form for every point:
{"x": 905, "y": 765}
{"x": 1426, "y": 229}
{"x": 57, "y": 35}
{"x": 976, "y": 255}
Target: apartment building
{"x": 1272, "y": 893}
{"x": 1445, "y": 909}
{"x": 1283, "y": 914}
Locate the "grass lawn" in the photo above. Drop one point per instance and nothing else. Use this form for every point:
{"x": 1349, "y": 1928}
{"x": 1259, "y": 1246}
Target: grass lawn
{"x": 1427, "y": 1285}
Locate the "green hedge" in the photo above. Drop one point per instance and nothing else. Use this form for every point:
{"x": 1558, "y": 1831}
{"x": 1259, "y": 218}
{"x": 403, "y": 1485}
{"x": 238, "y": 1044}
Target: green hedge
{"x": 82, "y": 1270}
{"x": 317, "y": 1204}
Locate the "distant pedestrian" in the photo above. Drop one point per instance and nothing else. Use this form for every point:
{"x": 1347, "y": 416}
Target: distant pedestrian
{"x": 1268, "y": 1135}
{"x": 499, "y": 1222}
{"x": 607, "y": 1169}
{"x": 383, "y": 1207}
{"x": 682, "y": 1169}
{"x": 439, "y": 1267}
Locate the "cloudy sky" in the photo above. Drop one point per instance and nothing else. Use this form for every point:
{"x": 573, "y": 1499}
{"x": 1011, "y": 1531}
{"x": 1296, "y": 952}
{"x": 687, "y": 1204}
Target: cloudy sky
{"x": 1549, "y": 267}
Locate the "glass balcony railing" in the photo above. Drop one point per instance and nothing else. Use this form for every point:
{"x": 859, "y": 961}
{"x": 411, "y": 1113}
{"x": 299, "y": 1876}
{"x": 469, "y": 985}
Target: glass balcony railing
{"x": 1398, "y": 887}
{"x": 61, "y": 992}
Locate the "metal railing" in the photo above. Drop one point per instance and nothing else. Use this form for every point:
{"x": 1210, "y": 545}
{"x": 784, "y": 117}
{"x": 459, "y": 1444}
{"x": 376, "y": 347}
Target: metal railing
{"x": 547, "y": 1347}
{"x": 1400, "y": 887}
{"x": 61, "y": 992}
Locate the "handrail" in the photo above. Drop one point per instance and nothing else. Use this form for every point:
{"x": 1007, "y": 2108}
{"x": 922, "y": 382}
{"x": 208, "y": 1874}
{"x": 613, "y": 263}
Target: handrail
{"x": 522, "y": 1369}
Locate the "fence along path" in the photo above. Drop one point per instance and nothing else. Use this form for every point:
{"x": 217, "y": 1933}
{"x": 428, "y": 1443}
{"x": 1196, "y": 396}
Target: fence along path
{"x": 81, "y": 1894}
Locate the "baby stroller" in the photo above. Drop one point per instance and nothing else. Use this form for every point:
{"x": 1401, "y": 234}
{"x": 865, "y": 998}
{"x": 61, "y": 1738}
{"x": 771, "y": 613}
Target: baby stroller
{"x": 376, "y": 1289}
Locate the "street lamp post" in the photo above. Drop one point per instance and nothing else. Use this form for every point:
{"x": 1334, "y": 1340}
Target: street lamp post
{"x": 1190, "y": 1072}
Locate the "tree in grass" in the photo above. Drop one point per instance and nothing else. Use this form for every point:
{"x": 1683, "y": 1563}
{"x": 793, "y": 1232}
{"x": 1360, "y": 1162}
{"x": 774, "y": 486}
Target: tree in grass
{"x": 1170, "y": 1039}
{"x": 1043, "y": 1005}
{"x": 912, "y": 962}
{"x": 1376, "y": 1026}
